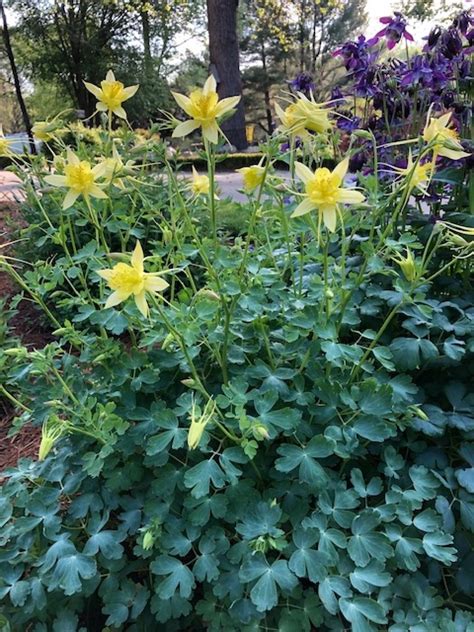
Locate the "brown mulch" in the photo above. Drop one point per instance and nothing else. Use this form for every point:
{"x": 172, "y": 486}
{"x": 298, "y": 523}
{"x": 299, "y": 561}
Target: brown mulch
{"x": 25, "y": 325}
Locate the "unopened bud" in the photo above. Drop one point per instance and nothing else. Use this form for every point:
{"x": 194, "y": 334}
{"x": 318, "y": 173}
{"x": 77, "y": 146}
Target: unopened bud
{"x": 260, "y": 432}
{"x": 148, "y": 541}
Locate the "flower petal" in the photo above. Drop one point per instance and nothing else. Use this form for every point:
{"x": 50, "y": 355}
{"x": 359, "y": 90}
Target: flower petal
{"x": 211, "y": 132}
{"x": 303, "y": 172}
{"x": 227, "y": 104}
{"x": 329, "y": 217}
{"x": 96, "y": 192}
{"x": 120, "y": 112}
{"x": 154, "y": 283}
{"x": 185, "y": 128}
{"x": 69, "y": 199}
{"x": 140, "y": 301}
{"x": 96, "y": 91}
{"x": 341, "y": 169}
{"x": 129, "y": 92}
{"x": 210, "y": 85}
{"x": 71, "y": 157}
{"x": 303, "y": 207}
{"x": 184, "y": 102}
{"x": 106, "y": 273}
{"x": 101, "y": 107}
{"x": 110, "y": 76}
{"x": 115, "y": 298}
{"x": 452, "y": 154}
{"x": 349, "y": 196}
{"x": 137, "y": 258}
{"x": 56, "y": 181}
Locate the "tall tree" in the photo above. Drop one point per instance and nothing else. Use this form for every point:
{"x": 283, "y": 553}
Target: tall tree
{"x": 321, "y": 25}
{"x": 266, "y": 44}
{"x": 73, "y": 40}
{"x": 224, "y": 58}
{"x": 16, "y": 77}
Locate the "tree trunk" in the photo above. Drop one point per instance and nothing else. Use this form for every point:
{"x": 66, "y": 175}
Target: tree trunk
{"x": 16, "y": 78}
{"x": 147, "y": 60}
{"x": 224, "y": 57}
{"x": 266, "y": 91}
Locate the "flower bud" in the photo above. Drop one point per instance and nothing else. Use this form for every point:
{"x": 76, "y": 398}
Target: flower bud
{"x": 408, "y": 266}
{"x": 148, "y": 541}
{"x": 260, "y": 432}
{"x": 167, "y": 342}
{"x": 362, "y": 133}
{"x": 199, "y": 422}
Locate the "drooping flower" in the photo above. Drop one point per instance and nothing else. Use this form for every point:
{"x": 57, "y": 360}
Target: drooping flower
{"x": 116, "y": 171}
{"x": 111, "y": 95}
{"x": 199, "y": 185}
{"x": 445, "y": 139}
{"x": 418, "y": 176}
{"x": 199, "y": 422}
{"x": 303, "y": 116}
{"x": 303, "y": 83}
{"x": 79, "y": 178}
{"x": 324, "y": 193}
{"x": 4, "y": 144}
{"x": 253, "y": 176}
{"x": 44, "y": 130}
{"x": 407, "y": 265}
{"x": 52, "y": 430}
{"x": 394, "y": 30}
{"x": 205, "y": 109}
{"x": 132, "y": 280}
{"x": 356, "y": 54}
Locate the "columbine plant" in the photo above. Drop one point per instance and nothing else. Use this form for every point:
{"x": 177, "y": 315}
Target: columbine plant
{"x": 279, "y": 435}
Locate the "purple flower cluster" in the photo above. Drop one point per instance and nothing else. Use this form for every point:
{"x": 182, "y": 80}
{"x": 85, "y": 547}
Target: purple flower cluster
{"x": 303, "y": 83}
{"x": 394, "y": 30}
{"x": 399, "y": 92}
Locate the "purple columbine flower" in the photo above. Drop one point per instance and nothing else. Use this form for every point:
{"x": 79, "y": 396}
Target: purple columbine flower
{"x": 356, "y": 55}
{"x": 348, "y": 123}
{"x": 394, "y": 30}
{"x": 419, "y": 73}
{"x": 463, "y": 22}
{"x": 303, "y": 83}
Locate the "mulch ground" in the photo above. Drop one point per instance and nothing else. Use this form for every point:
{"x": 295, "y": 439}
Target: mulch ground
{"x": 25, "y": 326}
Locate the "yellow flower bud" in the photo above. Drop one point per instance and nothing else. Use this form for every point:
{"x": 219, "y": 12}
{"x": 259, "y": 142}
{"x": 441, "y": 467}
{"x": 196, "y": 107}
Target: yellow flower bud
{"x": 260, "y": 432}
{"x": 199, "y": 422}
{"x": 408, "y": 266}
{"x": 148, "y": 541}
{"x": 253, "y": 177}
{"x": 53, "y": 428}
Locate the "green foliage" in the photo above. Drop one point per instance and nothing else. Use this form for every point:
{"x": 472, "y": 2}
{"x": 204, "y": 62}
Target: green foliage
{"x": 331, "y": 486}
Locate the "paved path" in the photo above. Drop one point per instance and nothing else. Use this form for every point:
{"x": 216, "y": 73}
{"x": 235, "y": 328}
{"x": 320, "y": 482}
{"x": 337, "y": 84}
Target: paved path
{"x": 229, "y": 184}
{"x": 10, "y": 187}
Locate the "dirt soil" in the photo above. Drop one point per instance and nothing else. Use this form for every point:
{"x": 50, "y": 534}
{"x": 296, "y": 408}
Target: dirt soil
{"x": 25, "y": 325}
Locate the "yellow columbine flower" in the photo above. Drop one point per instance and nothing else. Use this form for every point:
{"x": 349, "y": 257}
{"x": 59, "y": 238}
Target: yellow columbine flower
{"x": 199, "y": 184}
{"x": 407, "y": 265}
{"x": 80, "y": 178}
{"x": 127, "y": 280}
{"x": 204, "y": 108}
{"x": 4, "y": 144}
{"x": 324, "y": 192}
{"x": 253, "y": 176}
{"x": 417, "y": 177}
{"x": 304, "y": 116}
{"x": 199, "y": 422}
{"x": 52, "y": 430}
{"x": 44, "y": 130}
{"x": 115, "y": 169}
{"x": 446, "y": 139}
{"x": 111, "y": 95}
